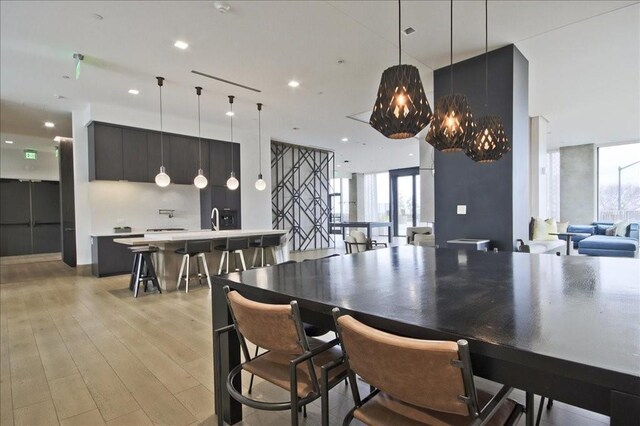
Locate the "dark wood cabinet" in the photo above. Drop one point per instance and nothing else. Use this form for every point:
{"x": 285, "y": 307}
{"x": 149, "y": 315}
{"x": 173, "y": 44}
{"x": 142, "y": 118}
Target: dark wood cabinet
{"x": 110, "y": 258}
{"x": 134, "y": 155}
{"x": 218, "y": 163}
{"x": 184, "y": 159}
{"x": 105, "y": 152}
{"x": 154, "y": 155}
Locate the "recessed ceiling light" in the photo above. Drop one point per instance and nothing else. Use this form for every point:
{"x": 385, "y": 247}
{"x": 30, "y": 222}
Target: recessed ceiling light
{"x": 346, "y": 161}
{"x": 230, "y": 113}
{"x": 66, "y": 77}
{"x": 9, "y": 142}
{"x": 49, "y": 124}
{"x": 408, "y": 31}
{"x": 181, "y": 44}
{"x": 294, "y": 83}
{"x": 410, "y": 154}
{"x": 296, "y": 128}
{"x": 345, "y": 139}
{"x": 338, "y": 165}
{"x": 134, "y": 91}
{"x": 98, "y": 16}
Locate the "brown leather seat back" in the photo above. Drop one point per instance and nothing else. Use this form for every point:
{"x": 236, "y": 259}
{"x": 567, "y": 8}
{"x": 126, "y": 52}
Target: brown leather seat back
{"x": 415, "y": 371}
{"x": 268, "y": 326}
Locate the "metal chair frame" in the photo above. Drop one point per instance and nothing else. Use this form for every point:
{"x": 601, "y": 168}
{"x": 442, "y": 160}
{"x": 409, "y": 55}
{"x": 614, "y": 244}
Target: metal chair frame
{"x": 230, "y": 250}
{"x": 478, "y": 416}
{"x": 184, "y": 273}
{"x": 295, "y": 403}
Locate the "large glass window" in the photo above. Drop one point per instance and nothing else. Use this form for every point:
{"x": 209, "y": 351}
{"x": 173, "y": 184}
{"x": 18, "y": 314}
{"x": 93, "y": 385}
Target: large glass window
{"x": 339, "y": 199}
{"x": 376, "y": 199}
{"x": 619, "y": 182}
{"x": 553, "y": 184}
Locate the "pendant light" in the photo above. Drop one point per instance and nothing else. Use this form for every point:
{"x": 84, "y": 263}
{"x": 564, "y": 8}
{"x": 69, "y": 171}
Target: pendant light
{"x": 199, "y": 181}
{"x": 401, "y": 109}
{"x": 490, "y": 141}
{"x": 232, "y": 182}
{"x": 162, "y": 178}
{"x": 260, "y": 183}
{"x": 452, "y": 128}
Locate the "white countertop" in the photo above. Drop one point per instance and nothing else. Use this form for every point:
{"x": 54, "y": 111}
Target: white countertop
{"x": 134, "y": 232}
{"x": 169, "y": 236}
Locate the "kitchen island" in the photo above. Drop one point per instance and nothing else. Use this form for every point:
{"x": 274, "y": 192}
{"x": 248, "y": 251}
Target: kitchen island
{"x": 167, "y": 261}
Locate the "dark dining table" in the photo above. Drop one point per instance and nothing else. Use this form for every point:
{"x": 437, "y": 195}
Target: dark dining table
{"x": 566, "y": 327}
{"x": 368, "y": 225}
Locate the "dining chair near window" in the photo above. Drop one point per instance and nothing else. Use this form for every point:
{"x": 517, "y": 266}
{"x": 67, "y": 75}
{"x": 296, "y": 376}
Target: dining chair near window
{"x": 292, "y": 362}
{"x": 357, "y": 242}
{"x": 416, "y": 382}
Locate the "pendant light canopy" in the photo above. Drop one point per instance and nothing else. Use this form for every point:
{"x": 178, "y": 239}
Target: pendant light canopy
{"x": 452, "y": 128}
{"x": 401, "y": 110}
{"x": 260, "y": 183}
{"x": 200, "y": 181}
{"x": 490, "y": 140}
{"x": 232, "y": 182}
{"x": 162, "y": 178}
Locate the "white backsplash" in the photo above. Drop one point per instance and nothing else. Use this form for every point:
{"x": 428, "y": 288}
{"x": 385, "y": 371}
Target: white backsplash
{"x": 137, "y": 204}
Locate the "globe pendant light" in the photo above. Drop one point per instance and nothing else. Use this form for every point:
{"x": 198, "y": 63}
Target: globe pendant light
{"x": 162, "y": 178}
{"x": 199, "y": 181}
{"x": 260, "y": 183}
{"x": 490, "y": 142}
{"x": 452, "y": 128}
{"x": 232, "y": 182}
{"x": 401, "y": 109}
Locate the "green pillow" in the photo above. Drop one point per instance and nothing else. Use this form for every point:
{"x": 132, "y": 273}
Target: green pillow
{"x": 542, "y": 228}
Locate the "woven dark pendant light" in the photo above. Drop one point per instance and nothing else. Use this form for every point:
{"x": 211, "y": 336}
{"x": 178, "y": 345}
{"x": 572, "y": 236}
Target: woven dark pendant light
{"x": 452, "y": 128}
{"x": 490, "y": 141}
{"x": 401, "y": 109}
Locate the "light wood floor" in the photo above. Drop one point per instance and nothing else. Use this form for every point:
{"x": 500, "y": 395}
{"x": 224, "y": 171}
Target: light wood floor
{"x": 77, "y": 350}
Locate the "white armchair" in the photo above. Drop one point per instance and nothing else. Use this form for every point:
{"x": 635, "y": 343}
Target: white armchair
{"x": 412, "y": 231}
{"x": 357, "y": 242}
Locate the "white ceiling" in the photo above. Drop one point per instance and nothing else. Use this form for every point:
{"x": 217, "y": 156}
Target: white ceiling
{"x": 583, "y": 56}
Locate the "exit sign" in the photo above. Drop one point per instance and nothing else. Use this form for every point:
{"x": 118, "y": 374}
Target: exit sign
{"x": 30, "y": 154}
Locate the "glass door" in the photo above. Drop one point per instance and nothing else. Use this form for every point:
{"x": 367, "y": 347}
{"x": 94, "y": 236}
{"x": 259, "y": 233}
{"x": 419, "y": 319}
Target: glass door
{"x": 405, "y": 194}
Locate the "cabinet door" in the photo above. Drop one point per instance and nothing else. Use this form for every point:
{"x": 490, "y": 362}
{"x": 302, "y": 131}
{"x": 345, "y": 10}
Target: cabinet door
{"x": 184, "y": 159}
{"x": 154, "y": 155}
{"x": 15, "y": 218}
{"x": 217, "y": 163}
{"x": 45, "y": 202}
{"x": 134, "y": 155}
{"x": 106, "y": 142}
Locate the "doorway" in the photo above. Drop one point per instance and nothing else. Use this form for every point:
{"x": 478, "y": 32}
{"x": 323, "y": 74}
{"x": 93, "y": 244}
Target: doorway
{"x": 405, "y": 199}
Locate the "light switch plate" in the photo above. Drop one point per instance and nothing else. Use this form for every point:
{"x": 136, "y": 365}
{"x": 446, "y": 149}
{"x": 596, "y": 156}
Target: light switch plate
{"x": 462, "y": 209}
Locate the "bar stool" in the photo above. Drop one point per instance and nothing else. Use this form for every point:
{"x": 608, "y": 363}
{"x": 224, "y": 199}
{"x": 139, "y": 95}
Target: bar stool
{"x": 196, "y": 248}
{"x": 235, "y": 246}
{"x": 266, "y": 242}
{"x": 143, "y": 270}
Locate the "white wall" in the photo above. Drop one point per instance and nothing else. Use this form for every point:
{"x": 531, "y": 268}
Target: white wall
{"x": 538, "y": 166}
{"x": 95, "y": 214}
{"x": 427, "y": 184}
{"x": 13, "y": 165}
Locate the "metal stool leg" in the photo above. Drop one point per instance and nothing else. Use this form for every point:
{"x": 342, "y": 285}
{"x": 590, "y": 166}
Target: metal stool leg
{"x": 137, "y": 280}
{"x": 199, "y": 275}
{"x": 255, "y": 256}
{"x": 187, "y": 274}
{"x": 181, "y": 271}
{"x": 152, "y": 273}
{"x": 206, "y": 268}
{"x": 244, "y": 265}
{"x": 226, "y": 271}
{"x": 262, "y": 258}
{"x": 221, "y": 263}
{"x": 134, "y": 268}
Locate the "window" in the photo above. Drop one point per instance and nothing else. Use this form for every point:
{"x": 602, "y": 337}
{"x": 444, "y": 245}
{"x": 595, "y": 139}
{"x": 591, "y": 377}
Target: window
{"x": 619, "y": 183}
{"x": 553, "y": 184}
{"x": 339, "y": 198}
{"x": 376, "y": 200}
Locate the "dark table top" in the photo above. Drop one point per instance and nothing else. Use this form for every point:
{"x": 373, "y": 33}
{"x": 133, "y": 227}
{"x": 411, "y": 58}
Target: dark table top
{"x": 558, "y": 312}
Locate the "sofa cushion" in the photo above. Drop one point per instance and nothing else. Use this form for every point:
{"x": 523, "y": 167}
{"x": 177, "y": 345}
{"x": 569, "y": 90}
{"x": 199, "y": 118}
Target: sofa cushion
{"x": 610, "y": 232}
{"x": 585, "y": 229}
{"x": 544, "y": 246}
{"x": 542, "y": 228}
{"x": 609, "y": 243}
{"x": 601, "y": 228}
{"x": 621, "y": 228}
{"x": 563, "y": 226}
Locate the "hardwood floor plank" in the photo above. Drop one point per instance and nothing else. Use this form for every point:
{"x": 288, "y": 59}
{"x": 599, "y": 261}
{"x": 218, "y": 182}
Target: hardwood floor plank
{"x": 198, "y": 400}
{"x": 71, "y": 396}
{"x": 137, "y": 418}
{"x": 41, "y": 414}
{"x": 202, "y": 370}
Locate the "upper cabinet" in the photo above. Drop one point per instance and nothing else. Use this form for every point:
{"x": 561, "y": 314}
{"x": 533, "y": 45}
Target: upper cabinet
{"x": 135, "y": 155}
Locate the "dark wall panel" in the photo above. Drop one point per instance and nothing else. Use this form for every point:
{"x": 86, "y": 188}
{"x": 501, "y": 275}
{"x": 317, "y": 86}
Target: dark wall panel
{"x": 486, "y": 189}
{"x": 300, "y": 194}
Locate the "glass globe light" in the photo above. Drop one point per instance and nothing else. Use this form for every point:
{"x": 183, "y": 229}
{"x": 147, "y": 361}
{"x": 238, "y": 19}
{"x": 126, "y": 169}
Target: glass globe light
{"x": 200, "y": 181}
{"x": 162, "y": 178}
{"x": 232, "y": 182}
{"x": 260, "y": 183}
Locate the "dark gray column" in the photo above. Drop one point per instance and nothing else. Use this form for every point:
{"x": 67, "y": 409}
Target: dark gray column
{"x": 497, "y": 194}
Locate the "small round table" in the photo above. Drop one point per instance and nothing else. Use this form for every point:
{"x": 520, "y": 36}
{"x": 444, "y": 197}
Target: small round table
{"x": 568, "y": 235}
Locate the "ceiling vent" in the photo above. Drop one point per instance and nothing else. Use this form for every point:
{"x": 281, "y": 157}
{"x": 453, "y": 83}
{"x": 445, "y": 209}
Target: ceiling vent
{"x": 221, "y": 6}
{"x": 408, "y": 31}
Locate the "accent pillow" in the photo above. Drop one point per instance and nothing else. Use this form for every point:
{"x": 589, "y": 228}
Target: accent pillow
{"x": 621, "y": 228}
{"x": 542, "y": 228}
{"x": 532, "y": 223}
{"x": 562, "y": 226}
{"x": 601, "y": 229}
{"x": 610, "y": 232}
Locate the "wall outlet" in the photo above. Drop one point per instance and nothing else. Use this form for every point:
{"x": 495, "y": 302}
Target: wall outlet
{"x": 462, "y": 209}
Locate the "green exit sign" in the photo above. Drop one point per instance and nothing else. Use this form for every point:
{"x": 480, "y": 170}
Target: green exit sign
{"x": 30, "y": 154}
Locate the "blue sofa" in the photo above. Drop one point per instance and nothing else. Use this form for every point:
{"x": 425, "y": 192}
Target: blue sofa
{"x": 596, "y": 243}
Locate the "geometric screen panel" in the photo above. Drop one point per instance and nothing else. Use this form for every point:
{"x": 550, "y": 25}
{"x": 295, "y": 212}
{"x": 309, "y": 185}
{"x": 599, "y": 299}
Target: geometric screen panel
{"x": 300, "y": 194}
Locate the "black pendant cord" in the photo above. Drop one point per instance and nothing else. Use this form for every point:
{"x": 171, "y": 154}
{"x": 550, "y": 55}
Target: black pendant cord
{"x": 198, "y": 91}
{"x": 161, "y": 140}
{"x": 260, "y": 139}
{"x": 399, "y": 32}
{"x": 486, "y": 54}
{"x": 451, "y": 47}
{"x": 231, "y": 105}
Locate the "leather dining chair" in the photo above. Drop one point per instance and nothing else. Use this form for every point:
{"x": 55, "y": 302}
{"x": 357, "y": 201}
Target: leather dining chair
{"x": 416, "y": 382}
{"x": 292, "y": 362}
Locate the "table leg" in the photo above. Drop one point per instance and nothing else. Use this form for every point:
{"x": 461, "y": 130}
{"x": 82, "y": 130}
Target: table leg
{"x": 529, "y": 409}
{"x": 231, "y": 410}
{"x": 625, "y": 408}
{"x": 369, "y": 231}
{"x": 568, "y": 245}
{"x": 389, "y": 229}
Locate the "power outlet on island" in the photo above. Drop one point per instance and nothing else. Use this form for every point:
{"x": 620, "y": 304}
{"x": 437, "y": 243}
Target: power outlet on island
{"x": 462, "y": 209}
